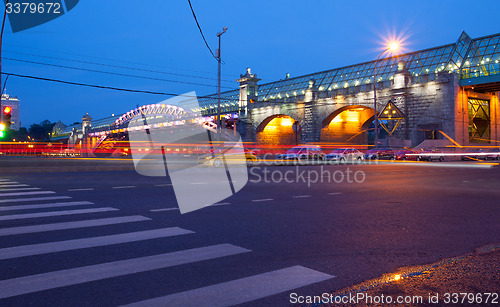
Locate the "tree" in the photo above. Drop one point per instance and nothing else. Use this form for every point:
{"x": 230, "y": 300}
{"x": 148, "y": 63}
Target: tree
{"x": 41, "y": 132}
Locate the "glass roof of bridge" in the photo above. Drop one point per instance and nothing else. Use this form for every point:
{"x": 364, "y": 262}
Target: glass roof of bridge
{"x": 468, "y": 57}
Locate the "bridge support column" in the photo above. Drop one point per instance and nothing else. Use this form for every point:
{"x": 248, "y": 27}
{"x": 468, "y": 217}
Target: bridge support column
{"x": 86, "y": 124}
{"x": 248, "y": 96}
{"x": 311, "y": 129}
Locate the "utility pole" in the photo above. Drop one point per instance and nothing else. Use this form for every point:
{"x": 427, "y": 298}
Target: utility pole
{"x": 219, "y": 59}
{"x": 1, "y": 40}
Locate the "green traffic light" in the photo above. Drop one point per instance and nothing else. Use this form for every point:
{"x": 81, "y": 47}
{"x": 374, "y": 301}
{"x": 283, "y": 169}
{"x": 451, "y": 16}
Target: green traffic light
{"x": 1, "y": 134}
{"x": 2, "y": 127}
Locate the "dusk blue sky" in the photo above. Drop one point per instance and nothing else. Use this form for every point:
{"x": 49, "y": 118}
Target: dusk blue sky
{"x": 271, "y": 37}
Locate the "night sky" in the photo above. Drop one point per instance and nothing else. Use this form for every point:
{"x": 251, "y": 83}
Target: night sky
{"x": 159, "y": 39}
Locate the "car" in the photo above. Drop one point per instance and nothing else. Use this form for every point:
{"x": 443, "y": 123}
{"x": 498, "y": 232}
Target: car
{"x": 493, "y": 154}
{"x": 341, "y": 155}
{"x": 430, "y": 154}
{"x": 301, "y": 153}
{"x": 380, "y": 153}
{"x": 474, "y": 154}
{"x": 405, "y": 155}
{"x": 230, "y": 155}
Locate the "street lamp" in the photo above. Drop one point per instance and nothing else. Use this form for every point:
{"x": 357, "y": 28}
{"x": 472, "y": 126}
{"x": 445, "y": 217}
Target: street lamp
{"x": 219, "y": 59}
{"x": 393, "y": 47}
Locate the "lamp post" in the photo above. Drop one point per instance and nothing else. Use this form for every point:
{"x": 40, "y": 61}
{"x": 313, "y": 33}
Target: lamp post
{"x": 392, "y": 47}
{"x": 219, "y": 59}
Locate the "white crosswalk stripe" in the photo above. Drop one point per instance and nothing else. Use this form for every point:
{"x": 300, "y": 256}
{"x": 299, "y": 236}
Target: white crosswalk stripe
{"x": 54, "y": 213}
{"x": 71, "y": 225}
{"x": 242, "y": 290}
{"x": 26, "y": 193}
{"x": 54, "y": 247}
{"x": 16, "y": 189}
{"x": 13, "y": 185}
{"x": 50, "y": 205}
{"x": 17, "y": 200}
{"x": 51, "y": 280}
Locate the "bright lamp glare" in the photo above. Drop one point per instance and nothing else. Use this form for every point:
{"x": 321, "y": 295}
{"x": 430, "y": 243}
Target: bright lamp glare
{"x": 394, "y": 46}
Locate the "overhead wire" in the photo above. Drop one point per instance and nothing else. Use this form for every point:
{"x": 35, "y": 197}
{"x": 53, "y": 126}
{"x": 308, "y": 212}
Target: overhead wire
{"x": 201, "y": 31}
{"x": 52, "y": 51}
{"x": 108, "y": 72}
{"x": 117, "y": 66}
{"x": 102, "y": 86}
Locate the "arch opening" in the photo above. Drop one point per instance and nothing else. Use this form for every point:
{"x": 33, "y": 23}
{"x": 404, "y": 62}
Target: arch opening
{"x": 349, "y": 125}
{"x": 278, "y": 130}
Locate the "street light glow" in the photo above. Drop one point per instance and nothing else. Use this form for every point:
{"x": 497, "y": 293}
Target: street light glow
{"x": 394, "y": 46}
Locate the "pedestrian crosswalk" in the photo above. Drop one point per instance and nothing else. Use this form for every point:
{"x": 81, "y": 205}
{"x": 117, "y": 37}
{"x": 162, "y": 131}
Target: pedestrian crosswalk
{"x": 28, "y": 216}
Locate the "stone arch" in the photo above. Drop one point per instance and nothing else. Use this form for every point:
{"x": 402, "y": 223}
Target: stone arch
{"x": 348, "y": 124}
{"x": 277, "y": 129}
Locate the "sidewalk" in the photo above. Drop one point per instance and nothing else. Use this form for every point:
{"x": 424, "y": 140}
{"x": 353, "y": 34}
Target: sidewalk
{"x": 459, "y": 281}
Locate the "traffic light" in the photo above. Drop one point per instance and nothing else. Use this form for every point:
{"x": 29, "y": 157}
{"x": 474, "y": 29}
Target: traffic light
{"x": 2, "y": 128}
{"x": 7, "y": 114}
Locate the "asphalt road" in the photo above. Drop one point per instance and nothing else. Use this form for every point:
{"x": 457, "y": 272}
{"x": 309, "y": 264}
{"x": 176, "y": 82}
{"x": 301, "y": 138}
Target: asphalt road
{"x": 255, "y": 248}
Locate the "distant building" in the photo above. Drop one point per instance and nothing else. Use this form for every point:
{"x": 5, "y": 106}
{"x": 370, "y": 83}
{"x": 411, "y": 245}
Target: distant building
{"x": 13, "y": 102}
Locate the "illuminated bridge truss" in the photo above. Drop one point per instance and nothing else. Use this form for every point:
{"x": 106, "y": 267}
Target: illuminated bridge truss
{"x": 157, "y": 116}
{"x": 470, "y": 58}
{"x": 173, "y": 112}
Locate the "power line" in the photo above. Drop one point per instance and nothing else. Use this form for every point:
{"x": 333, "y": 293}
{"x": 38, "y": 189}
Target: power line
{"x": 101, "y": 86}
{"x": 116, "y": 66}
{"x": 201, "y": 32}
{"x": 108, "y": 72}
{"x": 52, "y": 51}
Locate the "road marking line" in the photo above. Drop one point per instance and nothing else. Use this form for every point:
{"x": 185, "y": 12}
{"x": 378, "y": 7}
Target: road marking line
{"x": 334, "y": 193}
{"x": 220, "y": 204}
{"x": 57, "y": 279}
{"x": 264, "y": 199}
{"x": 163, "y": 209}
{"x": 201, "y": 182}
{"x": 163, "y": 185}
{"x": 17, "y": 189}
{"x": 60, "y": 246}
{"x": 175, "y": 208}
{"x": 17, "y": 200}
{"x": 50, "y": 205}
{"x": 54, "y": 213}
{"x": 71, "y": 225}
{"x": 13, "y": 185}
{"x": 301, "y": 196}
{"x": 27, "y": 193}
{"x": 243, "y": 290}
{"x": 84, "y": 189}
{"x": 124, "y": 187}
{"x": 8, "y": 182}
